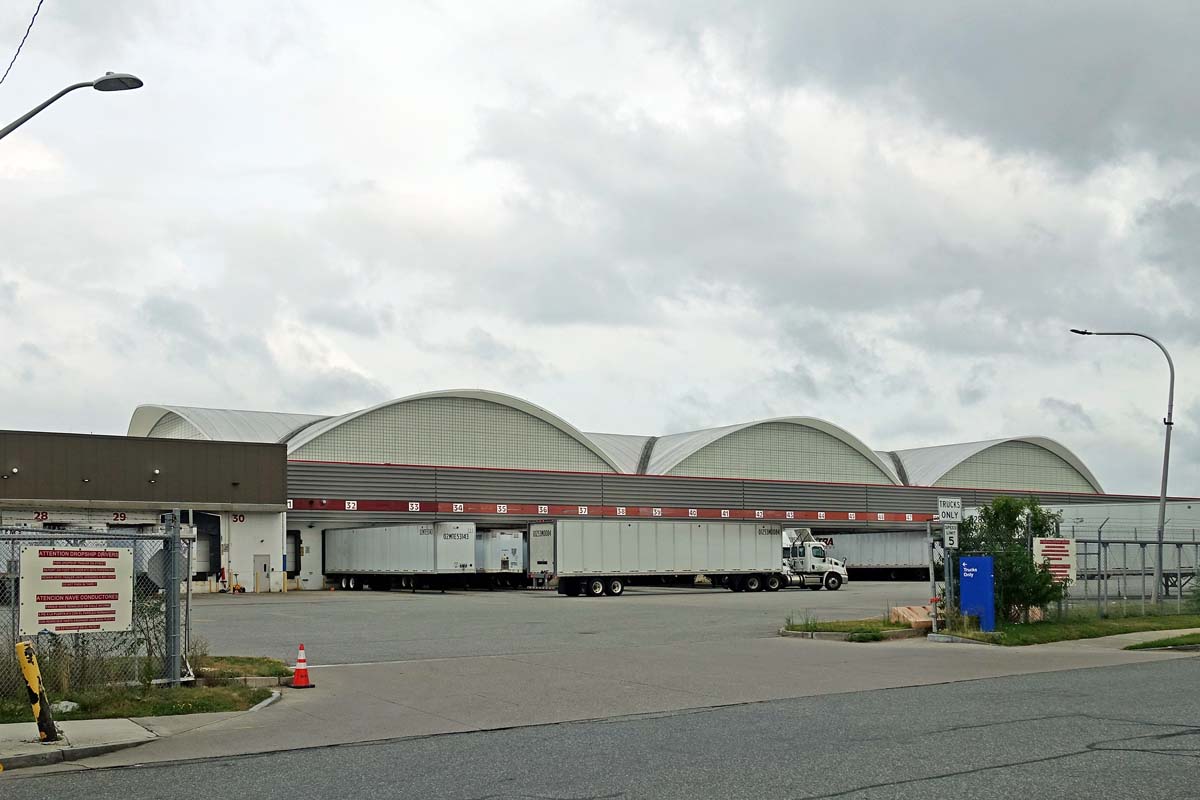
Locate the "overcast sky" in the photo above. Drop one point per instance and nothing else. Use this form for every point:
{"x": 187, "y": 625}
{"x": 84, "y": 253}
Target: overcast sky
{"x": 646, "y": 217}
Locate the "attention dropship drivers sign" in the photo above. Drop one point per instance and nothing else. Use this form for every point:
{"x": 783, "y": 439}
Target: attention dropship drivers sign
{"x": 76, "y": 589}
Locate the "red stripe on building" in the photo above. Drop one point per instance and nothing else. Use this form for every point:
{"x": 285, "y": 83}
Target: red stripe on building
{"x": 580, "y": 510}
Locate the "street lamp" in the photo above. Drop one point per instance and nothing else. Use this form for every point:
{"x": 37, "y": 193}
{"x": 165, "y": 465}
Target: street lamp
{"x": 1162, "y": 494}
{"x": 108, "y": 82}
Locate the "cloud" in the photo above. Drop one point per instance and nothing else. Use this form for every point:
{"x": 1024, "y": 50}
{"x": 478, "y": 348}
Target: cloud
{"x": 1068, "y": 416}
{"x": 975, "y": 385}
{"x": 1082, "y": 82}
{"x": 648, "y": 217}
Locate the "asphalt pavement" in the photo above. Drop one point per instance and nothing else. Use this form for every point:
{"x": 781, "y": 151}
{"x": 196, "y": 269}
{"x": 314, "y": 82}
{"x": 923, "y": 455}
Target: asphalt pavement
{"x": 1126, "y": 731}
{"x": 353, "y": 627}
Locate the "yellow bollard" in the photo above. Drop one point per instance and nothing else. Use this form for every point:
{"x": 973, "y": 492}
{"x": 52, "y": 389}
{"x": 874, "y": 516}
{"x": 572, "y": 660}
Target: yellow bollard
{"x": 47, "y": 731}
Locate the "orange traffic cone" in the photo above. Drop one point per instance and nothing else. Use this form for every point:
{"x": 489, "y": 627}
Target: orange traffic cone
{"x": 300, "y": 676}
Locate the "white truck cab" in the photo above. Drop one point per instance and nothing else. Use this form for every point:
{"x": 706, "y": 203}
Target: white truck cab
{"x": 806, "y": 562}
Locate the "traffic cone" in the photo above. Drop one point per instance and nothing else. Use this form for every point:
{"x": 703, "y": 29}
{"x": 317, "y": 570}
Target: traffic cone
{"x": 300, "y": 676}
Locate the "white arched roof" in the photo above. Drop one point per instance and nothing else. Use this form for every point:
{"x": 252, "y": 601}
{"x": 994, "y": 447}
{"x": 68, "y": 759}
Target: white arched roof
{"x": 625, "y": 449}
{"x": 669, "y": 451}
{"x": 925, "y": 466}
{"x": 325, "y": 426}
{"x": 225, "y": 425}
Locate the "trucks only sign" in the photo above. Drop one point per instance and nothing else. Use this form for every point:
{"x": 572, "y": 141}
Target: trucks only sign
{"x": 76, "y": 589}
{"x": 950, "y": 509}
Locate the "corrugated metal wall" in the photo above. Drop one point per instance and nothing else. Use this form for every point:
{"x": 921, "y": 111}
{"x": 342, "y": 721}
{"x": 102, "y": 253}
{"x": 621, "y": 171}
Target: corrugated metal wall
{"x": 440, "y": 484}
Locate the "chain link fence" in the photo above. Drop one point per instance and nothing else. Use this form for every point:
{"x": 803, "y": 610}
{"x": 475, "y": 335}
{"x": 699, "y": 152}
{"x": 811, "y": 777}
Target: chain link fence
{"x": 1115, "y": 568}
{"x": 83, "y": 660}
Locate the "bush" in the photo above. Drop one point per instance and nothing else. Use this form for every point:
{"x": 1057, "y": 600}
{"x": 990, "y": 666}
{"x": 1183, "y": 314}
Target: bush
{"x": 1001, "y": 531}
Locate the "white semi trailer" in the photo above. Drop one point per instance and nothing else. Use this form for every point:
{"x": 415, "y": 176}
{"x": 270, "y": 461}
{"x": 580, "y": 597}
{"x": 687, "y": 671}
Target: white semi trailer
{"x": 596, "y": 557}
{"x": 500, "y": 555}
{"x": 406, "y": 556}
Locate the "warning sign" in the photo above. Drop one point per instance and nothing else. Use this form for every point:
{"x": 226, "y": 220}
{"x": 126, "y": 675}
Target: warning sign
{"x": 76, "y": 589}
{"x": 1059, "y": 554}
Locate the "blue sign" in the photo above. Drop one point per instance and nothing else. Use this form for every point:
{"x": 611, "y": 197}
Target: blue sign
{"x": 976, "y": 590}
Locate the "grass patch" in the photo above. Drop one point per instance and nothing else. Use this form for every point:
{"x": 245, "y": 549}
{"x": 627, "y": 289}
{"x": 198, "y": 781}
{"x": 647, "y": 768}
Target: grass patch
{"x": 813, "y": 625}
{"x": 218, "y": 667}
{"x": 1079, "y": 626}
{"x": 144, "y": 702}
{"x": 1170, "y": 641}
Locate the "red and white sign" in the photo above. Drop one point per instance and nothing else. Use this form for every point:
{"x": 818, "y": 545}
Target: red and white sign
{"x": 1059, "y": 554}
{"x": 76, "y": 589}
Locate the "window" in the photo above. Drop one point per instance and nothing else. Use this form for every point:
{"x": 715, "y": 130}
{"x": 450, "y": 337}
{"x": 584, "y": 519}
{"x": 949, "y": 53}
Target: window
{"x": 818, "y": 553}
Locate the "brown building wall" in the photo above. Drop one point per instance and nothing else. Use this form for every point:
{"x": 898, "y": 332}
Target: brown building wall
{"x": 119, "y": 469}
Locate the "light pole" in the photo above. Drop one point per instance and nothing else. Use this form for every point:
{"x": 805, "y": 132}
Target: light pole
{"x": 1162, "y": 493}
{"x": 108, "y": 82}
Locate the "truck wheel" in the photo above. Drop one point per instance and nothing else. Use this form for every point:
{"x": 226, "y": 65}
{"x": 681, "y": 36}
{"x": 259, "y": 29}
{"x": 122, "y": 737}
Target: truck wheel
{"x": 345, "y": 584}
{"x": 353, "y": 585}
{"x": 774, "y": 582}
{"x": 595, "y": 587}
{"x": 833, "y": 581}
{"x": 614, "y": 587}
{"x": 754, "y": 583}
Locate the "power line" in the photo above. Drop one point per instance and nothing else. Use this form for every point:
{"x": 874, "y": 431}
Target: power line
{"x": 22, "y": 44}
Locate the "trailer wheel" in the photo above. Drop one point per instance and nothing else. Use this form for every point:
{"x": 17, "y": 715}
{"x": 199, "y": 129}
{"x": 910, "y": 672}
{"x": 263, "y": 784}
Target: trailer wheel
{"x": 833, "y": 581}
{"x": 754, "y": 583}
{"x": 595, "y": 587}
{"x": 353, "y": 584}
{"x": 774, "y": 582}
{"x": 345, "y": 584}
{"x": 614, "y": 587}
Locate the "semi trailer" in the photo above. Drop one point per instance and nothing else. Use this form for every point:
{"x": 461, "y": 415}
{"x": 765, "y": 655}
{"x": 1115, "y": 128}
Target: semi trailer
{"x": 438, "y": 555}
{"x": 596, "y": 557}
{"x": 500, "y": 555}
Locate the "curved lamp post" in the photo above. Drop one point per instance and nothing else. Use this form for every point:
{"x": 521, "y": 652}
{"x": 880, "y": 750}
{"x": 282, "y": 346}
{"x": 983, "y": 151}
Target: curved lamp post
{"x": 1162, "y": 495}
{"x": 108, "y": 82}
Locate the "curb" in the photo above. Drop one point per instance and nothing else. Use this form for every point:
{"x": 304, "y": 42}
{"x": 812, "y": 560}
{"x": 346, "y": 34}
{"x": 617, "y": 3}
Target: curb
{"x": 65, "y": 754}
{"x": 1177, "y": 648}
{"x": 79, "y": 753}
{"x": 948, "y": 638}
{"x": 272, "y": 700}
{"x": 838, "y": 636}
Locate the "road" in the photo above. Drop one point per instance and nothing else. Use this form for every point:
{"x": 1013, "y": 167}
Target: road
{"x": 352, "y": 627}
{"x": 1125, "y": 731}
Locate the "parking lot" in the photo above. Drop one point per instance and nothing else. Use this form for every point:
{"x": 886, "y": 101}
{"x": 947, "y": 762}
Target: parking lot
{"x": 352, "y": 627}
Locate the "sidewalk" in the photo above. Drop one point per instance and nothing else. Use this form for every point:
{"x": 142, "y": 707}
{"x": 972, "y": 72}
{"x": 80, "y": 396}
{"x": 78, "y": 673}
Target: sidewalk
{"x": 88, "y": 738}
{"x": 83, "y": 738}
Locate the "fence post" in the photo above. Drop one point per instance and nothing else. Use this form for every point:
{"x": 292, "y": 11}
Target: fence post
{"x": 172, "y": 598}
{"x": 1179, "y": 578}
{"x": 932, "y": 575}
{"x": 1142, "y": 547}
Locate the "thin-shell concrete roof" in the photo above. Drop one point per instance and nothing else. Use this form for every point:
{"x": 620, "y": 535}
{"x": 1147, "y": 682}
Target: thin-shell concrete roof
{"x": 225, "y": 425}
{"x": 925, "y": 466}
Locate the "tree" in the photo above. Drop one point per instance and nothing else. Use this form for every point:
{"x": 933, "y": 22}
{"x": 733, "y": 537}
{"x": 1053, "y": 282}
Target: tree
{"x": 1003, "y": 530}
